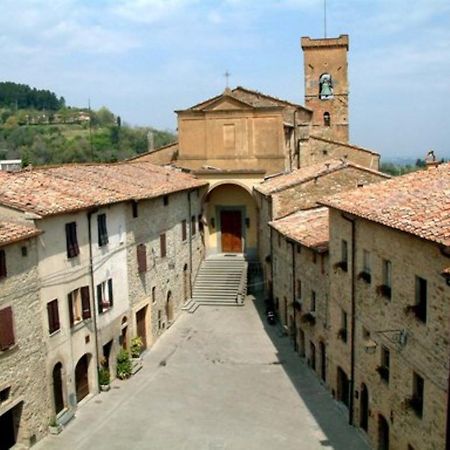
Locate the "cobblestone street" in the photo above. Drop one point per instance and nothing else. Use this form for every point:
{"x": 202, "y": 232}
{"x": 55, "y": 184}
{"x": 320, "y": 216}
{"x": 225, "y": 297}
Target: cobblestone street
{"x": 218, "y": 379}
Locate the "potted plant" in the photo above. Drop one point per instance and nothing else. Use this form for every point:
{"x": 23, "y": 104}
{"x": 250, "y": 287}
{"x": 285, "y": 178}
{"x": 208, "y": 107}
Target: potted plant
{"x": 53, "y": 426}
{"x": 104, "y": 379}
{"x": 136, "y": 349}
{"x": 123, "y": 364}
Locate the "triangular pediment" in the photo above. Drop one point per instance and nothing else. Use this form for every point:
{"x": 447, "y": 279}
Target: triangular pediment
{"x": 226, "y": 102}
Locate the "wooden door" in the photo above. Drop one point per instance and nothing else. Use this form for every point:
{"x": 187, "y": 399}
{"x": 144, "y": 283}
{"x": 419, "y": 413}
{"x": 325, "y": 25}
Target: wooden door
{"x": 140, "y": 325}
{"x": 81, "y": 378}
{"x": 58, "y": 395}
{"x": 231, "y": 228}
{"x": 364, "y": 408}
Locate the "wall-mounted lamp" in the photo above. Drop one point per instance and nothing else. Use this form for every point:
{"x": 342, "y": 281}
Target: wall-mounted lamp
{"x": 212, "y": 222}
{"x": 247, "y": 222}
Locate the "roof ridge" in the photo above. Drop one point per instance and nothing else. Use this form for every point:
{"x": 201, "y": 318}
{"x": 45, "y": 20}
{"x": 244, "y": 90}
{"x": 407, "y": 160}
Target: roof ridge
{"x": 254, "y": 91}
{"x": 345, "y": 144}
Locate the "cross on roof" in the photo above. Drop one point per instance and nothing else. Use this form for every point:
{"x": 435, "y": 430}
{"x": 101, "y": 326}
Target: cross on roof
{"x": 227, "y": 77}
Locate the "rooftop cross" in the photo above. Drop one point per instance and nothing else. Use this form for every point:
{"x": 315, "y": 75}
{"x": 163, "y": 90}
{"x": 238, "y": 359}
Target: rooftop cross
{"x": 227, "y": 77}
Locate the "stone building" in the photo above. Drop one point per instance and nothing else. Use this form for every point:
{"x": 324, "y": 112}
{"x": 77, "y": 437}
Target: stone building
{"x": 24, "y": 404}
{"x": 300, "y": 282}
{"x": 301, "y": 189}
{"x": 94, "y": 220}
{"x": 389, "y": 296}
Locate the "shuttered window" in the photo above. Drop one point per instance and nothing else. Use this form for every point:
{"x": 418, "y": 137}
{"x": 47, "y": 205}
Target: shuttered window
{"x": 85, "y": 303}
{"x": 7, "y": 339}
{"x": 53, "y": 316}
{"x": 141, "y": 252}
{"x": 2, "y": 264}
{"x": 102, "y": 230}
{"x": 162, "y": 243}
{"x": 183, "y": 230}
{"x": 71, "y": 240}
{"x": 193, "y": 227}
{"x": 79, "y": 305}
{"x": 105, "y": 296}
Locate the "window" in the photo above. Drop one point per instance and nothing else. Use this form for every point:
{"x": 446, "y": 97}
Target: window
{"x": 105, "y": 296}
{"x": 326, "y": 119}
{"x": 141, "y": 253}
{"x": 193, "y": 225}
{"x": 383, "y": 368}
{"x": 183, "y": 230}
{"x": 386, "y": 289}
{"x": 313, "y": 301}
{"x": 134, "y": 209}
{"x": 24, "y": 251}
{"x": 71, "y": 240}
{"x": 165, "y": 200}
{"x": 200, "y": 224}
{"x": 159, "y": 319}
{"x": 342, "y": 333}
{"x": 421, "y": 299}
{"x": 344, "y": 252}
{"x": 153, "y": 294}
{"x": 162, "y": 245}
{"x": 3, "y": 272}
{"x": 7, "y": 339}
{"x": 79, "y": 305}
{"x": 366, "y": 261}
{"x": 299, "y": 289}
{"x": 416, "y": 400}
{"x": 102, "y": 230}
{"x": 53, "y": 316}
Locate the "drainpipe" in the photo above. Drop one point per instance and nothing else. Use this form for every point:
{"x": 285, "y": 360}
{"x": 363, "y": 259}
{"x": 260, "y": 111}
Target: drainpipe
{"x": 271, "y": 246}
{"x": 190, "y": 242}
{"x": 91, "y": 274}
{"x": 293, "y": 294}
{"x": 352, "y": 329}
{"x": 295, "y": 140}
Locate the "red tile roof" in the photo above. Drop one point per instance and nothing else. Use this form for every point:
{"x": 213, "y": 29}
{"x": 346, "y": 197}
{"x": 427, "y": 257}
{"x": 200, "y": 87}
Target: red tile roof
{"x": 417, "y": 203}
{"x": 285, "y": 181}
{"x": 55, "y": 190}
{"x": 11, "y": 232}
{"x": 308, "y": 227}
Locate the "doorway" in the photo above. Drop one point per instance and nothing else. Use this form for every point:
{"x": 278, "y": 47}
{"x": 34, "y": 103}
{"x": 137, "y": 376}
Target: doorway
{"x": 58, "y": 396}
{"x": 342, "y": 387}
{"x": 312, "y": 355}
{"x": 140, "y": 325}
{"x": 323, "y": 361}
{"x": 82, "y": 378}
{"x": 169, "y": 307}
{"x": 186, "y": 290}
{"x": 231, "y": 231}
{"x": 364, "y": 408}
{"x": 9, "y": 427}
{"x": 383, "y": 433}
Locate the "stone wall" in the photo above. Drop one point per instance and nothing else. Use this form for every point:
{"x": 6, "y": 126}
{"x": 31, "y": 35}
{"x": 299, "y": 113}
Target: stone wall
{"x": 380, "y": 322}
{"x": 166, "y": 277}
{"x": 22, "y": 368}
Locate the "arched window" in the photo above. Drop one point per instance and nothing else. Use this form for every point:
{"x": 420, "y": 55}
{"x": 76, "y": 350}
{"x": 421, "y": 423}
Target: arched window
{"x": 325, "y": 86}
{"x": 326, "y": 119}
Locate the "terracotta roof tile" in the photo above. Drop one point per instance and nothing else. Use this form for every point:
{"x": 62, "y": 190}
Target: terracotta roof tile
{"x": 308, "y": 227}
{"x": 13, "y": 232}
{"x": 285, "y": 181}
{"x": 417, "y": 203}
{"x": 55, "y": 190}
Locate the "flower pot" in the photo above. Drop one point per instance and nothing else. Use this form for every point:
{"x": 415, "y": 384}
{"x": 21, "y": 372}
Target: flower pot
{"x": 55, "y": 429}
{"x": 105, "y": 387}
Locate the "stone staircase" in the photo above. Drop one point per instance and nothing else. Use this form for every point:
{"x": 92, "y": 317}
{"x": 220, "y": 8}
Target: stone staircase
{"x": 221, "y": 280}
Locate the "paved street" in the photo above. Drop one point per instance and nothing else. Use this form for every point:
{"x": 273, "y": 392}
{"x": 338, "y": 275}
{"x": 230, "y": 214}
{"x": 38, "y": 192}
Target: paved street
{"x": 218, "y": 379}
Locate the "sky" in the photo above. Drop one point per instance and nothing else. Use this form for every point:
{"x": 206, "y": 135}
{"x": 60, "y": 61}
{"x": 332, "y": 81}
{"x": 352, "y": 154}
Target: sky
{"x": 144, "y": 59}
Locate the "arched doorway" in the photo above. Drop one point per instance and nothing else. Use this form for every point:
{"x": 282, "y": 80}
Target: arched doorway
{"x": 231, "y": 215}
{"x": 186, "y": 284}
{"x": 169, "y": 307}
{"x": 383, "y": 433}
{"x": 58, "y": 395}
{"x": 82, "y": 378}
{"x": 364, "y": 408}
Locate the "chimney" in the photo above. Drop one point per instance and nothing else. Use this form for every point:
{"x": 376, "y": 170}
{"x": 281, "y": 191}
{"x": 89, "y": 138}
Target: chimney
{"x": 430, "y": 160}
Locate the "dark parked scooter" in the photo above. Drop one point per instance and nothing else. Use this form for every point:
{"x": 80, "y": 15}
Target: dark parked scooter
{"x": 270, "y": 317}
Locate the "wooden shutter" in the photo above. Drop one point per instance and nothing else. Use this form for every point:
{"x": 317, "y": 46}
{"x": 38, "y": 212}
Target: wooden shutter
{"x": 110, "y": 291}
{"x": 162, "y": 242}
{"x": 7, "y": 339}
{"x": 53, "y": 316}
{"x": 99, "y": 298}
{"x": 2, "y": 264}
{"x": 71, "y": 240}
{"x": 183, "y": 230}
{"x": 102, "y": 230}
{"x": 85, "y": 303}
{"x": 141, "y": 258}
{"x": 70, "y": 303}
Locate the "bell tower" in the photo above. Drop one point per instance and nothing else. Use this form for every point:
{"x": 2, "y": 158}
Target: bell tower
{"x": 326, "y": 85}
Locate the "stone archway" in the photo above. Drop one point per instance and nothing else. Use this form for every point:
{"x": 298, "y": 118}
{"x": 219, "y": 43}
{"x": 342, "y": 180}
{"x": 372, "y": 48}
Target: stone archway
{"x": 58, "y": 393}
{"x": 82, "y": 377}
{"x": 232, "y": 219}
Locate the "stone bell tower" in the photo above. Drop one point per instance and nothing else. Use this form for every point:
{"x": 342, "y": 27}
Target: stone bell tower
{"x": 326, "y": 85}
